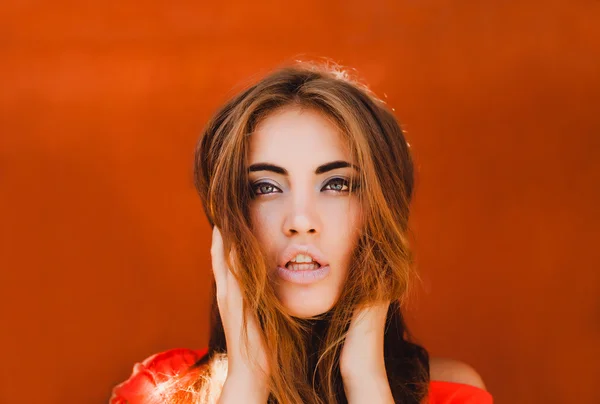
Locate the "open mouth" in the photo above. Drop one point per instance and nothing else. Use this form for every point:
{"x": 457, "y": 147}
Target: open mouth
{"x": 302, "y": 266}
{"x": 303, "y": 273}
{"x": 305, "y": 264}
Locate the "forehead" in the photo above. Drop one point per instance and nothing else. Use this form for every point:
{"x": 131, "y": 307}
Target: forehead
{"x": 292, "y": 132}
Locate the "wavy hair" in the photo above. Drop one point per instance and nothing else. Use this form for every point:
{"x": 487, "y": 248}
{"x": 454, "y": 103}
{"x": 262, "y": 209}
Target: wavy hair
{"x": 305, "y": 352}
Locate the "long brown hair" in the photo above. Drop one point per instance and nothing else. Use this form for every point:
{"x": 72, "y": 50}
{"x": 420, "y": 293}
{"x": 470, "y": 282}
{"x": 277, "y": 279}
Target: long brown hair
{"x": 306, "y": 352}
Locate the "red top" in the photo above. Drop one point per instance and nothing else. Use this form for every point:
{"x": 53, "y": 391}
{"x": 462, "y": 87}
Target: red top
{"x": 143, "y": 382}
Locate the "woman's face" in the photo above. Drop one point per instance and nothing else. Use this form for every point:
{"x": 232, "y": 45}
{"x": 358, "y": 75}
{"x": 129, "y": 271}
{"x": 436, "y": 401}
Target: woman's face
{"x": 302, "y": 201}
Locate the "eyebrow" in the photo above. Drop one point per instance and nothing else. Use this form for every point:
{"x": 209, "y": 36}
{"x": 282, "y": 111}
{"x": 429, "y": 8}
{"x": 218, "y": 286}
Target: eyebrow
{"x": 320, "y": 170}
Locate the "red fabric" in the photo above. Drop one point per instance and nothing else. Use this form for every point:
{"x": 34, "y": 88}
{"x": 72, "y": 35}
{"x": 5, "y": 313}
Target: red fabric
{"x": 152, "y": 371}
{"x": 159, "y": 367}
{"x": 457, "y": 393}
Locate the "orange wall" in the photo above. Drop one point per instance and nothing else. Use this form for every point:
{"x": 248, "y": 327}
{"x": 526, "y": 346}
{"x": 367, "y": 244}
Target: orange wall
{"x": 104, "y": 247}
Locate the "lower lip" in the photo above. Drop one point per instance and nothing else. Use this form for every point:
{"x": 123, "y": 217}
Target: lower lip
{"x": 303, "y": 277}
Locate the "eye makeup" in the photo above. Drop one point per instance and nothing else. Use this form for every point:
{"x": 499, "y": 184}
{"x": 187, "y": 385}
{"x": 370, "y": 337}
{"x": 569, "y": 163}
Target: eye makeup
{"x": 263, "y": 187}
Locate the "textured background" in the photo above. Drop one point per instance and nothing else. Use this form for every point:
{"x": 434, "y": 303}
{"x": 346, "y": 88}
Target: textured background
{"x": 104, "y": 250}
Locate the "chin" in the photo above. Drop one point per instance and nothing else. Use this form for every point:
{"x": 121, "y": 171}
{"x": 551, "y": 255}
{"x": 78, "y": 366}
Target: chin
{"x": 305, "y": 302}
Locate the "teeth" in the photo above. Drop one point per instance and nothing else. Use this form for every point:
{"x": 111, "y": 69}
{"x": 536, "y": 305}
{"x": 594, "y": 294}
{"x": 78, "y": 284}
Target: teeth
{"x": 302, "y": 267}
{"x": 302, "y": 258}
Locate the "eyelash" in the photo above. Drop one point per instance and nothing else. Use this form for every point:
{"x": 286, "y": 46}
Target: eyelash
{"x": 344, "y": 182}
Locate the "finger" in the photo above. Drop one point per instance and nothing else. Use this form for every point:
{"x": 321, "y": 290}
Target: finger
{"x": 371, "y": 316}
{"x": 378, "y": 312}
{"x": 233, "y": 287}
{"x": 218, "y": 261}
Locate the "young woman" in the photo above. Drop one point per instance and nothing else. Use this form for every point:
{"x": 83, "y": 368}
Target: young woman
{"x": 306, "y": 179}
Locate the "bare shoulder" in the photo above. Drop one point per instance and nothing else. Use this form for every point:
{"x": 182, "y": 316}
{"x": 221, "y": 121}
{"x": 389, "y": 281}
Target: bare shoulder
{"x": 451, "y": 370}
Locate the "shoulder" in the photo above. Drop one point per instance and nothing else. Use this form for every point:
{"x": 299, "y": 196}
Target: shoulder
{"x": 454, "y": 371}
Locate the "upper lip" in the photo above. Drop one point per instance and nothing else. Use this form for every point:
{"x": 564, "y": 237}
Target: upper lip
{"x": 306, "y": 249}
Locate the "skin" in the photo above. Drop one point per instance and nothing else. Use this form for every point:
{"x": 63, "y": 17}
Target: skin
{"x": 303, "y": 207}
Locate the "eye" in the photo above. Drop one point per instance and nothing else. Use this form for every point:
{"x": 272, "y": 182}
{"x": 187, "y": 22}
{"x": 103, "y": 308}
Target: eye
{"x": 337, "y": 185}
{"x": 263, "y": 188}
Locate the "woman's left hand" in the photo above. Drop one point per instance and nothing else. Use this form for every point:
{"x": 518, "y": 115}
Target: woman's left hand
{"x": 362, "y": 362}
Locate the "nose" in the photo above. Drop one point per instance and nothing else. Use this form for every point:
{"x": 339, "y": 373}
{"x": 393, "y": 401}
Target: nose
{"x": 302, "y": 217}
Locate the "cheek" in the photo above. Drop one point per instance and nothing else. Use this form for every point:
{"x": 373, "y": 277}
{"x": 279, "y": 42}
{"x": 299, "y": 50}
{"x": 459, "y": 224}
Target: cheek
{"x": 341, "y": 227}
{"x": 263, "y": 221}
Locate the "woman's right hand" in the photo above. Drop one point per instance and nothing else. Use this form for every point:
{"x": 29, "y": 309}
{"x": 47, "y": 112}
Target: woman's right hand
{"x": 241, "y": 368}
